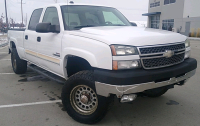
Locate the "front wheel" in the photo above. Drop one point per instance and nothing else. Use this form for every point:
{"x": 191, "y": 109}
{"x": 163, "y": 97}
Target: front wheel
{"x": 81, "y": 101}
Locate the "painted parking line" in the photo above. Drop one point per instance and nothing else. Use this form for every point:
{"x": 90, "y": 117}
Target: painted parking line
{"x": 3, "y": 47}
{"x": 5, "y": 59}
{"x": 28, "y": 104}
{"x": 6, "y": 73}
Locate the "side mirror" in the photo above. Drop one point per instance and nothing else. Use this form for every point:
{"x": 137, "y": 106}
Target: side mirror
{"x": 133, "y": 24}
{"x": 47, "y": 27}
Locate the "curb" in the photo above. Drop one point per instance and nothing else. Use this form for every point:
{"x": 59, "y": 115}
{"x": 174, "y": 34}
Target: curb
{"x": 193, "y": 38}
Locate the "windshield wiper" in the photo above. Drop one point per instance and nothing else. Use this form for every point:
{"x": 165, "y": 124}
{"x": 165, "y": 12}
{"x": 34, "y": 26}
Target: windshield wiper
{"x": 118, "y": 25}
{"x": 83, "y": 26}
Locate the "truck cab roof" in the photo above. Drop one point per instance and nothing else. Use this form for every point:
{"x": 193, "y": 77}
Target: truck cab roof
{"x": 73, "y": 4}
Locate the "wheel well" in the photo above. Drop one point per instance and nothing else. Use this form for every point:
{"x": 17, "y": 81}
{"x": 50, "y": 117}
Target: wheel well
{"x": 12, "y": 44}
{"x": 76, "y": 64}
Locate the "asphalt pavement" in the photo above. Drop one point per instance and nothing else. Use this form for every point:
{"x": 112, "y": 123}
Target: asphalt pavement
{"x": 33, "y": 100}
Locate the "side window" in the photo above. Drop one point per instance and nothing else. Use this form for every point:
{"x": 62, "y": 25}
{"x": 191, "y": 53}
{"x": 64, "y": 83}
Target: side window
{"x": 35, "y": 17}
{"x": 110, "y": 17}
{"x": 51, "y": 16}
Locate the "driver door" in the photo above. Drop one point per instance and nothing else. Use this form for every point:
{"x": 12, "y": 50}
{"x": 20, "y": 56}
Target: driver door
{"x": 49, "y": 46}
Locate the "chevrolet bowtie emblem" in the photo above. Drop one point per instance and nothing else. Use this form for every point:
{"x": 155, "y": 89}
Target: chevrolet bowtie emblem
{"x": 168, "y": 53}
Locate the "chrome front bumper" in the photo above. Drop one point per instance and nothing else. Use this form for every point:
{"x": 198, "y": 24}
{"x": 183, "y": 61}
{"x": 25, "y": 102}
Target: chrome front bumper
{"x": 107, "y": 89}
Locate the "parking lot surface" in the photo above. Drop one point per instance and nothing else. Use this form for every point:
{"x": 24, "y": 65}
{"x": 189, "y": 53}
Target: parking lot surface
{"x": 33, "y": 100}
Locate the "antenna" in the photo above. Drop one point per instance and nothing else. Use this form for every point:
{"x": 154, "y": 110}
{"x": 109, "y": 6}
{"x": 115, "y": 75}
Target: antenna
{"x": 71, "y": 2}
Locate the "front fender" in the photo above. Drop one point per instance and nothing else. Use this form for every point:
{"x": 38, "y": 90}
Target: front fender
{"x": 79, "y": 53}
{"x": 88, "y": 56}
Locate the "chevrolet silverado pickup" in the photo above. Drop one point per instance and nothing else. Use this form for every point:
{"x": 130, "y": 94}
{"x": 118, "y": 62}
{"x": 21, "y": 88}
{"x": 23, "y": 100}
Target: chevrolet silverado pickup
{"x": 100, "y": 55}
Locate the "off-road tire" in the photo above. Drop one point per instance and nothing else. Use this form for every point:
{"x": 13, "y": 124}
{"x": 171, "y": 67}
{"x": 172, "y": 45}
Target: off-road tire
{"x": 19, "y": 66}
{"x": 84, "y": 78}
{"x": 157, "y": 92}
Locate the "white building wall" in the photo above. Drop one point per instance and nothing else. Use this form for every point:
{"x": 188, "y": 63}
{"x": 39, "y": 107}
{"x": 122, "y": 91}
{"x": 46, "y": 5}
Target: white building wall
{"x": 183, "y": 12}
{"x": 191, "y": 8}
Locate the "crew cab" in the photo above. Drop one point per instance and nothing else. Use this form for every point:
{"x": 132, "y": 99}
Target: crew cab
{"x": 100, "y": 56}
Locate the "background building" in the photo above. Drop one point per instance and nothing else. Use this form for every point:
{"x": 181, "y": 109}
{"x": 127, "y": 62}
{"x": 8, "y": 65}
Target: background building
{"x": 182, "y": 16}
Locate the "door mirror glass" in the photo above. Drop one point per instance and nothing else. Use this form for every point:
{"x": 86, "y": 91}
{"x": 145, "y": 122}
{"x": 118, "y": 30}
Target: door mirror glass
{"x": 47, "y": 27}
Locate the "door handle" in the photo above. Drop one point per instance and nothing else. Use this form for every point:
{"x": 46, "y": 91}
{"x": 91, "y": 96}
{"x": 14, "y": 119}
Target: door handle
{"x": 38, "y": 39}
{"x": 26, "y": 37}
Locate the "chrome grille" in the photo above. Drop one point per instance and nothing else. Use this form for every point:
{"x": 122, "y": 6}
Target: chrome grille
{"x": 153, "y": 57}
{"x": 161, "y": 48}
{"x": 161, "y": 62}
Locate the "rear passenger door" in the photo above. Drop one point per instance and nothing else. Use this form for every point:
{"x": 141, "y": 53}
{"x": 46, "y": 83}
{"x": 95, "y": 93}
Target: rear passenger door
{"x": 30, "y": 37}
{"x": 49, "y": 48}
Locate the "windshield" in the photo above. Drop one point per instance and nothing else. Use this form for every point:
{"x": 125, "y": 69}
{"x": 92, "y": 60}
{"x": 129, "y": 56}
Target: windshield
{"x": 79, "y": 16}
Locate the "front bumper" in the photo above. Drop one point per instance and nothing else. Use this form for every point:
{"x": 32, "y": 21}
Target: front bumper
{"x": 139, "y": 80}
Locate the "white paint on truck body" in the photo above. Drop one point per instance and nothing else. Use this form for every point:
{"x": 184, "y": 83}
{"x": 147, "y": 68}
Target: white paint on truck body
{"x": 91, "y": 44}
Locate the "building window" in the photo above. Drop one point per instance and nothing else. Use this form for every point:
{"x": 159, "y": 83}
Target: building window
{"x": 168, "y": 24}
{"x": 155, "y": 21}
{"x": 169, "y": 1}
{"x": 154, "y": 4}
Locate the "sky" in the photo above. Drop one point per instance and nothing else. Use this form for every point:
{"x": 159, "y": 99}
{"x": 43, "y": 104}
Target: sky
{"x": 132, "y": 9}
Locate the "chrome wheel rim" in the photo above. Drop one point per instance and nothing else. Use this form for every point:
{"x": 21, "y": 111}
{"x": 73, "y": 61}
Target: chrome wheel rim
{"x": 83, "y": 99}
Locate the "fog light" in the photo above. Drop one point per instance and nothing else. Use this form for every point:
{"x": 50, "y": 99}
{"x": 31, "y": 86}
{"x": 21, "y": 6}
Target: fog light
{"x": 128, "y": 98}
{"x": 187, "y": 54}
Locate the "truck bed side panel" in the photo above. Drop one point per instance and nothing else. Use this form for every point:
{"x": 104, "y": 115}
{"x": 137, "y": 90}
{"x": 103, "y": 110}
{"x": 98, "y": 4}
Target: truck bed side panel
{"x": 17, "y": 37}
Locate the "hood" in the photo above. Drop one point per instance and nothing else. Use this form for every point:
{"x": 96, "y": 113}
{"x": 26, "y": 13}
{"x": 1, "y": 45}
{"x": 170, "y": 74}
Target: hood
{"x": 129, "y": 35}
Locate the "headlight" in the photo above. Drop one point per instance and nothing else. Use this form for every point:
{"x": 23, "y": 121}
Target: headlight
{"x": 187, "y": 43}
{"x": 119, "y": 50}
{"x": 187, "y": 47}
{"x": 117, "y": 65}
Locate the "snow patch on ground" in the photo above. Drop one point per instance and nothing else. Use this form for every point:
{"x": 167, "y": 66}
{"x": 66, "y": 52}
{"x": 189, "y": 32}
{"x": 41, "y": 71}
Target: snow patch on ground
{"x": 3, "y": 40}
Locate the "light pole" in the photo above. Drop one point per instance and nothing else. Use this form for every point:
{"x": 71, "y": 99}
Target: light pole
{"x": 22, "y": 13}
{"x": 6, "y": 15}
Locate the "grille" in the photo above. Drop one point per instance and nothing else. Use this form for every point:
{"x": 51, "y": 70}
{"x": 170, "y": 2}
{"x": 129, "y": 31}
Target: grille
{"x": 162, "y": 62}
{"x": 160, "y": 49}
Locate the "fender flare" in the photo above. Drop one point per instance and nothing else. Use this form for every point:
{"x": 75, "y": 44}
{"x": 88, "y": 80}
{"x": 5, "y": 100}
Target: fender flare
{"x": 70, "y": 51}
{"x": 12, "y": 40}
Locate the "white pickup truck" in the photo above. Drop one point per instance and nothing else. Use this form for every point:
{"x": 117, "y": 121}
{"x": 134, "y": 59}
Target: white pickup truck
{"x": 100, "y": 55}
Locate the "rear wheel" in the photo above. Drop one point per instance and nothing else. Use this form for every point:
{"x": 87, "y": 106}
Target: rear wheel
{"x": 81, "y": 101}
{"x": 157, "y": 92}
{"x": 19, "y": 66}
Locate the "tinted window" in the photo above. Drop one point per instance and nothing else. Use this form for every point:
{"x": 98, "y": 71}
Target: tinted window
{"x": 172, "y": 1}
{"x": 169, "y": 1}
{"x": 35, "y": 17}
{"x": 154, "y": 4}
{"x": 77, "y": 16}
{"x": 51, "y": 16}
{"x": 155, "y": 21}
{"x": 168, "y": 24}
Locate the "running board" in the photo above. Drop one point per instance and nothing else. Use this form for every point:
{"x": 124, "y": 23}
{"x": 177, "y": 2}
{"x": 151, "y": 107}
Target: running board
{"x": 47, "y": 74}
